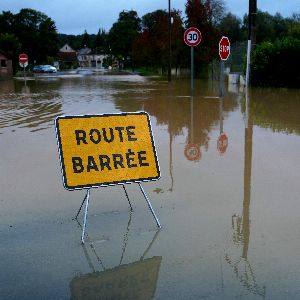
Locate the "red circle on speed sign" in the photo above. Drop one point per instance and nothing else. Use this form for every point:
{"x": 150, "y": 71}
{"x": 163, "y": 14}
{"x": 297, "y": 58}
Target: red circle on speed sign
{"x": 23, "y": 58}
{"x": 224, "y": 48}
{"x": 222, "y": 143}
{"x": 192, "y": 152}
{"x": 192, "y": 36}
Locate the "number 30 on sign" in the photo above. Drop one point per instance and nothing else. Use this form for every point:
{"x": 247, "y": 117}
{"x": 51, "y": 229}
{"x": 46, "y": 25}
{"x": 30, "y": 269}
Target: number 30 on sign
{"x": 192, "y": 36}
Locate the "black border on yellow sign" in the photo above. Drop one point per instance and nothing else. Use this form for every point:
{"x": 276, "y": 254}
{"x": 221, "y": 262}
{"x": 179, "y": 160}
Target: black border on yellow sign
{"x": 102, "y": 184}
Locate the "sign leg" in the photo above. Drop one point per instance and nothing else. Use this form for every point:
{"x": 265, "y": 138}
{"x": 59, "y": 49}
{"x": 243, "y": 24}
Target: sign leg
{"x": 150, "y": 206}
{"x": 81, "y": 206}
{"x": 131, "y": 209}
{"x": 85, "y": 215}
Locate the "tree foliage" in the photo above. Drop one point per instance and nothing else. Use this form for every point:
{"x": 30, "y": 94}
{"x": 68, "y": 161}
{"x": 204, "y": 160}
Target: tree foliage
{"x": 11, "y": 45}
{"x": 273, "y": 64}
{"x": 35, "y": 32}
{"x": 123, "y": 33}
{"x": 151, "y": 47}
{"x": 85, "y": 42}
{"x": 268, "y": 27}
{"x": 200, "y": 14}
{"x": 230, "y": 26}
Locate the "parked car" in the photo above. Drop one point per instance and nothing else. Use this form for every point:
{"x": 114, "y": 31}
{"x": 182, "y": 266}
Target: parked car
{"x": 44, "y": 69}
{"x": 37, "y": 69}
{"x": 48, "y": 69}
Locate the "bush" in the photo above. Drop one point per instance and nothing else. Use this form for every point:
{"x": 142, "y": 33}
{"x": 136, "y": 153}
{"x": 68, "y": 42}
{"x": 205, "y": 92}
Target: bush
{"x": 275, "y": 64}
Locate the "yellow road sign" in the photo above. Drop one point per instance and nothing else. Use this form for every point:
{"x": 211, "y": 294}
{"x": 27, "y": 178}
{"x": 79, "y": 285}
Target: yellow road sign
{"x": 101, "y": 150}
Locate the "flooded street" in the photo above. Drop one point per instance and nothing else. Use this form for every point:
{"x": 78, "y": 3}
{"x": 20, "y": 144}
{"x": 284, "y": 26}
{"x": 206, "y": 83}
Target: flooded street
{"x": 227, "y": 200}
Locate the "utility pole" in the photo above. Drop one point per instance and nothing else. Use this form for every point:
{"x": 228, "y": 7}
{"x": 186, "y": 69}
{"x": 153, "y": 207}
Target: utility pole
{"x": 169, "y": 31}
{"x": 251, "y": 35}
{"x": 252, "y": 22}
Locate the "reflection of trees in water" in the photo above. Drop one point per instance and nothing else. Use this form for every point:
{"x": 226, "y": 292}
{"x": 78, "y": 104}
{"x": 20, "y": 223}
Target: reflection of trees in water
{"x": 277, "y": 109}
{"x": 174, "y": 111}
{"x": 33, "y": 105}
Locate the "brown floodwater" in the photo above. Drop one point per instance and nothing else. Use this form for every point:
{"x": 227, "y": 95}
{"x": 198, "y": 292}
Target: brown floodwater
{"x": 228, "y": 197}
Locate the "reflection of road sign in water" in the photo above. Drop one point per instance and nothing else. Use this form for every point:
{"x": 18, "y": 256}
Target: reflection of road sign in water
{"x": 23, "y": 60}
{"x": 192, "y": 152}
{"x": 132, "y": 281}
{"x": 192, "y": 37}
{"x": 99, "y": 150}
{"x": 222, "y": 143}
{"x": 224, "y": 48}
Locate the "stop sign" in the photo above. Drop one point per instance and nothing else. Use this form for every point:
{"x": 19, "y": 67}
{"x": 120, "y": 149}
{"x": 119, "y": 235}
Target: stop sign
{"x": 23, "y": 59}
{"x": 222, "y": 143}
{"x": 224, "y": 48}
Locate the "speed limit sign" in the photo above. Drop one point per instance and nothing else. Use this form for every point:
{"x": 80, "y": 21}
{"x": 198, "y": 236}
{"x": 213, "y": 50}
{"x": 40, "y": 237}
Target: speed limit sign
{"x": 192, "y": 152}
{"x": 192, "y": 36}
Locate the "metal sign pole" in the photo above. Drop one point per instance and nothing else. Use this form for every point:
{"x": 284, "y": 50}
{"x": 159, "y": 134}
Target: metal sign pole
{"x": 221, "y": 78}
{"x": 248, "y": 63}
{"x": 131, "y": 209}
{"x": 24, "y": 73}
{"x": 85, "y": 215}
{"x": 150, "y": 206}
{"x": 192, "y": 71}
{"x": 192, "y": 119}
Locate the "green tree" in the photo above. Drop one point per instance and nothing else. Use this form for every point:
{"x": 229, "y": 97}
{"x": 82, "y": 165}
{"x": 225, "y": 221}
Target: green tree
{"x": 274, "y": 64}
{"x": 34, "y": 30}
{"x": 268, "y": 27}
{"x": 73, "y": 40}
{"x": 201, "y": 14}
{"x": 151, "y": 48}
{"x": 11, "y": 45}
{"x": 48, "y": 40}
{"x": 293, "y": 26}
{"x": 101, "y": 40}
{"x": 85, "y": 42}
{"x": 7, "y": 22}
{"x": 230, "y": 26}
{"x": 123, "y": 33}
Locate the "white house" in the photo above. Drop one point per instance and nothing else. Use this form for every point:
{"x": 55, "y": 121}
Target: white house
{"x": 89, "y": 58}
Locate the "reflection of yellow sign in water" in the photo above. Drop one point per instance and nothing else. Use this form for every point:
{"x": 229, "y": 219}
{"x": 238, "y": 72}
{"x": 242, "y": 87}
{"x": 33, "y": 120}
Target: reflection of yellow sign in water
{"x": 100, "y": 150}
{"x": 133, "y": 281}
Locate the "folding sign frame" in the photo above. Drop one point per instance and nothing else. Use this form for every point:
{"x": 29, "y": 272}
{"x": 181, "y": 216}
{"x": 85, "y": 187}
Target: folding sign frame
{"x": 104, "y": 150}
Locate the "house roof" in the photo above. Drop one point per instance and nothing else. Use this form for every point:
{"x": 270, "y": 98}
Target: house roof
{"x": 67, "y": 56}
{"x": 66, "y": 48}
{"x": 84, "y": 51}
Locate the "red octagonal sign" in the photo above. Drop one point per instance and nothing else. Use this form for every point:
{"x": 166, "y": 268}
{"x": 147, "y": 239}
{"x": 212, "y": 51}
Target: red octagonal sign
{"x": 222, "y": 143}
{"x": 23, "y": 58}
{"x": 224, "y": 48}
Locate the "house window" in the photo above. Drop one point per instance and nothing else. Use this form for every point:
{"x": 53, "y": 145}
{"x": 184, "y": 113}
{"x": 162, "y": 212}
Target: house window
{"x": 3, "y": 63}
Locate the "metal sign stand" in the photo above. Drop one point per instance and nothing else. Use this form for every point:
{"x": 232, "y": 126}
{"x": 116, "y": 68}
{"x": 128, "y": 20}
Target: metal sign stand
{"x": 87, "y": 198}
{"x": 192, "y": 71}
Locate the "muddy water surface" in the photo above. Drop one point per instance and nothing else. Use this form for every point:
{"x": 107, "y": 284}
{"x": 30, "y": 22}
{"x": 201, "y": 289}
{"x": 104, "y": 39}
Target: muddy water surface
{"x": 228, "y": 197}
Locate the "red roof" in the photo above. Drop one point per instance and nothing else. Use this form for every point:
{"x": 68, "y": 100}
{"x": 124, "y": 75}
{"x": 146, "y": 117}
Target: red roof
{"x": 67, "y": 56}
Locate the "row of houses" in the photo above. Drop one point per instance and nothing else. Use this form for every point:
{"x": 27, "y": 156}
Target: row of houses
{"x": 85, "y": 57}
{"x": 66, "y": 57}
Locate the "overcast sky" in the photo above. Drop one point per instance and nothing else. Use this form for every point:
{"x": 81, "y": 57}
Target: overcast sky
{"x": 75, "y": 16}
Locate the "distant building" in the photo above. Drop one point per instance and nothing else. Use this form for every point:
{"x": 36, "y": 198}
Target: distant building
{"x": 67, "y": 56}
{"x": 6, "y": 70}
{"x": 89, "y": 58}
